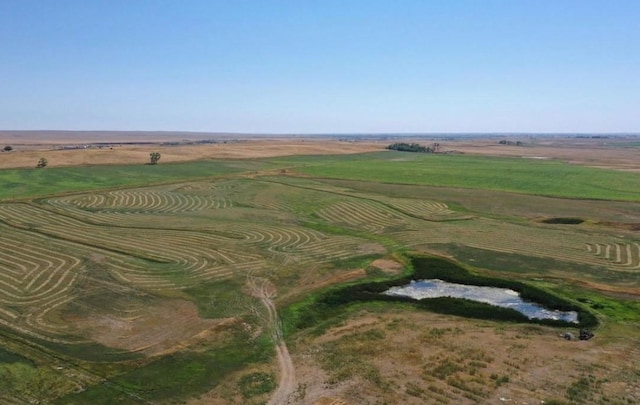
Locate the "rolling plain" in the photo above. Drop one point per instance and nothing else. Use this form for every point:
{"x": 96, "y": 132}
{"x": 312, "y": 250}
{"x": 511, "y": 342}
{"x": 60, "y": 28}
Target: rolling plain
{"x": 197, "y": 280}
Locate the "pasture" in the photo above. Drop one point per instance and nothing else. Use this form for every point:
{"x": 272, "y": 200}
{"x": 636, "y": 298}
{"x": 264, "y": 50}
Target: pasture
{"x": 131, "y": 283}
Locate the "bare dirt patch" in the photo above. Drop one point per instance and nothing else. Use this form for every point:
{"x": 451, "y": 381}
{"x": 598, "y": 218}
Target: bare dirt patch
{"x": 161, "y": 328}
{"x": 388, "y": 266}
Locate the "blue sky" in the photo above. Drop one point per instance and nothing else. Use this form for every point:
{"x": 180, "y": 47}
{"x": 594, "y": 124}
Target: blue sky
{"x": 309, "y": 66}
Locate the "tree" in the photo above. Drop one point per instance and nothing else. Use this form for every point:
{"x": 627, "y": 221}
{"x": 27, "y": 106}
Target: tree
{"x": 8, "y": 148}
{"x": 154, "y": 157}
{"x": 42, "y": 163}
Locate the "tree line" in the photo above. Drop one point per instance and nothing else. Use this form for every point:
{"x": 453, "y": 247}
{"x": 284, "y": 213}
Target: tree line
{"x": 414, "y": 147}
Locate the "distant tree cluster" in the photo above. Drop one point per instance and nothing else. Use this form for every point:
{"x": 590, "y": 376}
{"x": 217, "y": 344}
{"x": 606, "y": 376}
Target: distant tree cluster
{"x": 505, "y": 142}
{"x": 414, "y": 147}
{"x": 42, "y": 163}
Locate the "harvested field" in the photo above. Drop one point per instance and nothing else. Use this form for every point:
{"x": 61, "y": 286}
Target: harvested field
{"x": 127, "y": 283}
{"x": 121, "y": 153}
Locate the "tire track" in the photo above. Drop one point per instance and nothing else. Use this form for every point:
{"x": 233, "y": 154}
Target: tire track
{"x": 264, "y": 290}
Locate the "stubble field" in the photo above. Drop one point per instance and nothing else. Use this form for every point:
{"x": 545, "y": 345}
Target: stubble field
{"x": 139, "y": 284}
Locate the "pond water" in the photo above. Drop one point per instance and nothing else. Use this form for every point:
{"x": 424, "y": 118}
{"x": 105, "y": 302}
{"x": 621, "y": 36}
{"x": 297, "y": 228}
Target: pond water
{"x": 500, "y": 297}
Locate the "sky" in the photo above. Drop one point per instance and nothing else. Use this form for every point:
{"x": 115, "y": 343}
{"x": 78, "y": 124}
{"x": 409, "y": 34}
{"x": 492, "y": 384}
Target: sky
{"x": 309, "y": 66}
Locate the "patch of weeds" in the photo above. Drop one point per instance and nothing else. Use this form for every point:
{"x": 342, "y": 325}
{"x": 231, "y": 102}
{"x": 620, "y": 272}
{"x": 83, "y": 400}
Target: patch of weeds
{"x": 300, "y": 392}
{"x": 446, "y": 368}
{"x": 179, "y": 375}
{"x": 33, "y": 384}
{"x": 375, "y": 272}
{"x": 394, "y": 324}
{"x": 499, "y": 380}
{"x": 414, "y": 390}
{"x": 348, "y": 357}
{"x": 220, "y": 299}
{"x": 254, "y": 384}
{"x": 581, "y": 391}
{"x": 469, "y": 391}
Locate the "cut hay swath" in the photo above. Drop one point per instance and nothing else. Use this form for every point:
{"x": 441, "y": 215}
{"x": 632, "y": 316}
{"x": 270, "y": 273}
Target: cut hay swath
{"x": 37, "y": 275}
{"x": 625, "y": 255}
{"x": 366, "y": 215}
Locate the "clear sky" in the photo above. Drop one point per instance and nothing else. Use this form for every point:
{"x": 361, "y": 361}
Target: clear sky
{"x": 321, "y": 66}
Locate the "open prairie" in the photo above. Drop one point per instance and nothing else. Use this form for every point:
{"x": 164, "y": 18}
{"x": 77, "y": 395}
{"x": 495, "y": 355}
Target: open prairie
{"x": 197, "y": 280}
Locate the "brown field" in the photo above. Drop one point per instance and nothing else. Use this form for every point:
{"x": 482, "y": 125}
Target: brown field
{"x": 27, "y": 155}
{"x": 134, "y": 147}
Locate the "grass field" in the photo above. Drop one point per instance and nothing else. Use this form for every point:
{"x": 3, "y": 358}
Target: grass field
{"x": 529, "y": 176}
{"x": 130, "y": 283}
{"x": 19, "y": 183}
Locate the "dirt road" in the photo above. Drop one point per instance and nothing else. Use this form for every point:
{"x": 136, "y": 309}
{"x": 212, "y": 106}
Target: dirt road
{"x": 264, "y": 290}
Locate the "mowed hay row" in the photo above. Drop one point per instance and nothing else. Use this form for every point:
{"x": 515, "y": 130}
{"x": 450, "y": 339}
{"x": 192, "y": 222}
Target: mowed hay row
{"x": 624, "y": 255}
{"x": 33, "y": 268}
{"x": 284, "y": 197}
{"x": 503, "y": 237}
{"x": 142, "y": 201}
{"x": 207, "y": 188}
{"x": 36, "y": 276}
{"x": 306, "y": 245}
{"x": 367, "y": 215}
{"x": 271, "y": 197}
{"x": 180, "y": 254}
{"x": 336, "y": 248}
{"x": 273, "y": 238}
{"x": 529, "y": 241}
{"x": 183, "y": 253}
{"x": 26, "y": 216}
{"x": 429, "y": 210}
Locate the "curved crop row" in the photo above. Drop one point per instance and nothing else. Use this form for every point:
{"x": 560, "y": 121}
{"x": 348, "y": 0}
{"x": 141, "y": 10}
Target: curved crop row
{"x": 280, "y": 238}
{"x": 620, "y": 254}
{"x": 37, "y": 275}
{"x": 429, "y": 210}
{"x": 141, "y": 201}
{"x": 371, "y": 216}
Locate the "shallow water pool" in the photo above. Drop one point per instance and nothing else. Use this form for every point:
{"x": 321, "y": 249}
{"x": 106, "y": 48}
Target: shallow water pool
{"x": 501, "y": 297}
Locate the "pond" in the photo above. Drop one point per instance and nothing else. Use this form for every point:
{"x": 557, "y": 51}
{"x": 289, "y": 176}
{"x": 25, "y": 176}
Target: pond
{"x": 500, "y": 297}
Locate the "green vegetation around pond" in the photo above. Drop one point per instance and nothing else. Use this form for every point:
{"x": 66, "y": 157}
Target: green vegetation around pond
{"x": 329, "y": 303}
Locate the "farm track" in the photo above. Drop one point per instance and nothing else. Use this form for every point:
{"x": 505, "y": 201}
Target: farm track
{"x": 265, "y": 291}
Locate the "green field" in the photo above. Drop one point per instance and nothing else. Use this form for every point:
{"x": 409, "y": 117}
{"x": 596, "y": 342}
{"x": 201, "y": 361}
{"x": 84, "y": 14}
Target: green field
{"x": 20, "y": 183}
{"x": 529, "y": 176}
{"x": 86, "y": 251}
